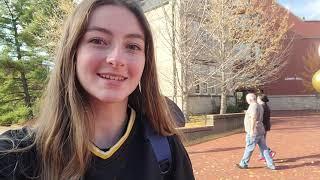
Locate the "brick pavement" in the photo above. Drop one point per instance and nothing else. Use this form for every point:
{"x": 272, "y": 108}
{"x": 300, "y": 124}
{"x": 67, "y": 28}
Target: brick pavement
{"x": 295, "y": 136}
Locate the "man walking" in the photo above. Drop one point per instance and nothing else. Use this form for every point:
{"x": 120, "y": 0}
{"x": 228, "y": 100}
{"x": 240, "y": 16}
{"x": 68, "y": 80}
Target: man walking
{"x": 254, "y": 133}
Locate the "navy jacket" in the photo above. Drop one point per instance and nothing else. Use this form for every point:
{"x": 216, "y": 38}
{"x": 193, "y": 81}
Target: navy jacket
{"x": 132, "y": 160}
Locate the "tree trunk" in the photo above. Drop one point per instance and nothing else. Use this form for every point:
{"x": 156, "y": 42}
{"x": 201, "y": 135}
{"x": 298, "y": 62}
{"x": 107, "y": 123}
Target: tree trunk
{"x": 223, "y": 104}
{"x": 174, "y": 63}
{"x": 24, "y": 81}
{"x": 223, "y": 101}
{"x": 185, "y": 92}
{"x": 185, "y": 106}
{"x": 27, "y": 97}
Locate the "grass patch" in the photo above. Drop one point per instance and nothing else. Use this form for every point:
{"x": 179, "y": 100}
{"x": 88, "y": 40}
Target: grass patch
{"x": 196, "y": 121}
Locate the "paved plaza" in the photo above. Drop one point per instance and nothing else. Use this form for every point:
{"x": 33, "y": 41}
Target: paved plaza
{"x": 295, "y": 136}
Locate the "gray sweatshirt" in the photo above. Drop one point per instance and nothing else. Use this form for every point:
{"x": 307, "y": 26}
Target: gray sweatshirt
{"x": 254, "y": 117}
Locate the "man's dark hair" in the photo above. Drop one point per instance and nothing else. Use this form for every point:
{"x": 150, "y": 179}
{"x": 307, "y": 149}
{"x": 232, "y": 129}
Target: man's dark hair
{"x": 264, "y": 98}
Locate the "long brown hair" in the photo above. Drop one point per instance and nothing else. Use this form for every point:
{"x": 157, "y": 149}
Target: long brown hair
{"x": 63, "y": 129}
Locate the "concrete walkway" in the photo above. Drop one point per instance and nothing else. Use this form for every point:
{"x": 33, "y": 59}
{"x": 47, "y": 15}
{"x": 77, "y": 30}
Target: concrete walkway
{"x": 295, "y": 136}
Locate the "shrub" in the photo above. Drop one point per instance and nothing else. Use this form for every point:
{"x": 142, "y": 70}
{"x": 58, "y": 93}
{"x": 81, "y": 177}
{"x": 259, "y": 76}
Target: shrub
{"x": 18, "y": 115}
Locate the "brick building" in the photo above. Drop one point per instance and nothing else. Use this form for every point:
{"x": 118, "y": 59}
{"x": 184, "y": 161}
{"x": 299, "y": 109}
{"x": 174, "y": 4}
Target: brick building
{"x": 288, "y": 92}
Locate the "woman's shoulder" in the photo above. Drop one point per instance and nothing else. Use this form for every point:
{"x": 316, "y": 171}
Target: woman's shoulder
{"x": 17, "y": 138}
{"x": 175, "y": 139}
{"x": 176, "y": 145}
{"x": 182, "y": 167}
{"x": 17, "y": 153}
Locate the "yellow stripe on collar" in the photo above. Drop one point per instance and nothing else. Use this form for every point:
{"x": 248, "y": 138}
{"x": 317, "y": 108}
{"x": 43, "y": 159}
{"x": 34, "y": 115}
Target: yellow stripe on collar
{"x": 105, "y": 155}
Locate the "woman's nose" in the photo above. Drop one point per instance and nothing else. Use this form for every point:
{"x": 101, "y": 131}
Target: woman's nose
{"x": 115, "y": 57}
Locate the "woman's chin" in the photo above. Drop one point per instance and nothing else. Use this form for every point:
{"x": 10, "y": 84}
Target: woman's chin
{"x": 110, "y": 99}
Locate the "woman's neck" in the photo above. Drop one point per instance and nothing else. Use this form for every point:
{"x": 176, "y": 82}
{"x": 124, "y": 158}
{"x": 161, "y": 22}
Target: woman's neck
{"x": 109, "y": 123}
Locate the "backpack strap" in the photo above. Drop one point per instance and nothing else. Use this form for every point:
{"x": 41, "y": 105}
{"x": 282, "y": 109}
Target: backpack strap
{"x": 160, "y": 146}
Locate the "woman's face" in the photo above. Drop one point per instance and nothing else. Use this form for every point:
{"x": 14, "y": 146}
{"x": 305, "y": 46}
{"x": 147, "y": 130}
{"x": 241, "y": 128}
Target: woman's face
{"x": 111, "y": 54}
{"x": 259, "y": 100}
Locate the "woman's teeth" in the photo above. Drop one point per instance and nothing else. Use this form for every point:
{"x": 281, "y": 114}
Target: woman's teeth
{"x": 106, "y": 76}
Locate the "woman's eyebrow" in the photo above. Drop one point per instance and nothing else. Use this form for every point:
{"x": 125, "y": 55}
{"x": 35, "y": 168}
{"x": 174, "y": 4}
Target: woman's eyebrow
{"x": 108, "y": 32}
{"x": 137, "y": 36}
{"x": 100, "y": 29}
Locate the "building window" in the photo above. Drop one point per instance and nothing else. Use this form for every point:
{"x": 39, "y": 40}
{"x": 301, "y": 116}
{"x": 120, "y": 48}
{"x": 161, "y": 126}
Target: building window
{"x": 197, "y": 90}
{"x": 212, "y": 90}
{"x": 204, "y": 88}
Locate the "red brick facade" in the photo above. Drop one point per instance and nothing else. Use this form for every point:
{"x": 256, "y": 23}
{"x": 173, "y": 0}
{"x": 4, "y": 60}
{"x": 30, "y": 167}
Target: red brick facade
{"x": 307, "y": 34}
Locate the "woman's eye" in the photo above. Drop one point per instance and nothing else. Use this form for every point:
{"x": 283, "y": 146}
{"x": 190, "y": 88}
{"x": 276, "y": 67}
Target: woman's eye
{"x": 134, "y": 47}
{"x": 98, "y": 41}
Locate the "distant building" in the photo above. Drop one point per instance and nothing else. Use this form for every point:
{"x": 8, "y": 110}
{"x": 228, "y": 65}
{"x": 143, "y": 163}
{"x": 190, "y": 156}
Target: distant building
{"x": 160, "y": 13}
{"x": 289, "y": 93}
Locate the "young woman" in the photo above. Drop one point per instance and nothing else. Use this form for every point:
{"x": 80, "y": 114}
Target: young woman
{"x": 262, "y": 100}
{"x": 101, "y": 96}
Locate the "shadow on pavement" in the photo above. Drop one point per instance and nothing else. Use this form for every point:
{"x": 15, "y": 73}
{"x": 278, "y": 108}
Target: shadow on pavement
{"x": 295, "y": 159}
{"x": 294, "y": 113}
{"x": 285, "y": 160}
{"x": 216, "y": 150}
{"x": 297, "y": 128}
{"x": 295, "y": 120}
{"x": 315, "y": 163}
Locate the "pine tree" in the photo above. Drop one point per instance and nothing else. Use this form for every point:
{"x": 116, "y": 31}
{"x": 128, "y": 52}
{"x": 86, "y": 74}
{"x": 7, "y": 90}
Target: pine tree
{"x": 22, "y": 72}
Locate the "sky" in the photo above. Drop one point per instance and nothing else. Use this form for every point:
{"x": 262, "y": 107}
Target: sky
{"x": 310, "y": 9}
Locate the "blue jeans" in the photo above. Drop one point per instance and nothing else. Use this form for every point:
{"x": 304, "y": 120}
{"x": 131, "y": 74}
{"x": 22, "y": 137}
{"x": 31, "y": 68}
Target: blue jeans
{"x": 250, "y": 145}
{"x": 265, "y": 140}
